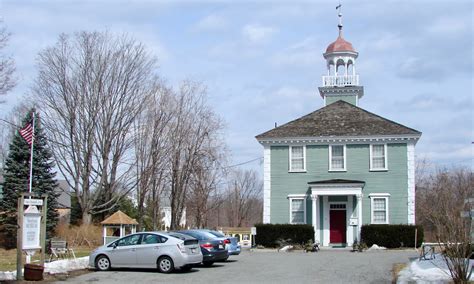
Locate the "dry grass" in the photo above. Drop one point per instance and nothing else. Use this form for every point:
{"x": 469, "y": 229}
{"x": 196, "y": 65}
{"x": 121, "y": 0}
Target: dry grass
{"x": 80, "y": 236}
{"x": 8, "y": 257}
{"x": 397, "y": 267}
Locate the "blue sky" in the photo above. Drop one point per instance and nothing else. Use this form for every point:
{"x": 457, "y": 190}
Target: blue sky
{"x": 262, "y": 60}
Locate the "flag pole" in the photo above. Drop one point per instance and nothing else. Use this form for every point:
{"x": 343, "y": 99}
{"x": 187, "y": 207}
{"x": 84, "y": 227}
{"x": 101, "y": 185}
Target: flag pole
{"x": 31, "y": 153}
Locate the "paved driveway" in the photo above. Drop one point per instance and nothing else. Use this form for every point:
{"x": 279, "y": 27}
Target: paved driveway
{"x": 327, "y": 266}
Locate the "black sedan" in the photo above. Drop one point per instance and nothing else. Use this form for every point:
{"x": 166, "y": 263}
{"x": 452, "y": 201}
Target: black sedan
{"x": 212, "y": 249}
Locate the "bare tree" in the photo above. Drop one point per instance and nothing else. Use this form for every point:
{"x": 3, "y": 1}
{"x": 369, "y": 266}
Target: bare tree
{"x": 207, "y": 178}
{"x": 7, "y": 64}
{"x": 150, "y": 153}
{"x": 244, "y": 192}
{"x": 440, "y": 207}
{"x": 91, "y": 88}
{"x": 192, "y": 126}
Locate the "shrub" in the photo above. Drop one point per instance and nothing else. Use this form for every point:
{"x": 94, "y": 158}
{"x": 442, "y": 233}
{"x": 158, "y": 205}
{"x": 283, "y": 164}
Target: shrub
{"x": 392, "y": 236}
{"x": 269, "y": 235}
{"x": 83, "y": 235}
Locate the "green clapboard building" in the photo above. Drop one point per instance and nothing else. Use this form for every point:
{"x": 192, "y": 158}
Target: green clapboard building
{"x": 340, "y": 166}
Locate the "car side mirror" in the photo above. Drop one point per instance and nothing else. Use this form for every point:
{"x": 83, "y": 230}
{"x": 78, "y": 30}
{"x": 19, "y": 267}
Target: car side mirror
{"x": 114, "y": 245}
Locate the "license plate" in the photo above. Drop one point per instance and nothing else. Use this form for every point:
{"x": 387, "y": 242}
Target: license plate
{"x": 221, "y": 246}
{"x": 193, "y": 250}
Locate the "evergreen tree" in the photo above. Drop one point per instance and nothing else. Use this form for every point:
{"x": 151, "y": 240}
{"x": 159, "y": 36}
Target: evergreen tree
{"x": 16, "y": 180}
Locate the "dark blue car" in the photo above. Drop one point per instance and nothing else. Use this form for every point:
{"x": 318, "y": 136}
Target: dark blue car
{"x": 212, "y": 248}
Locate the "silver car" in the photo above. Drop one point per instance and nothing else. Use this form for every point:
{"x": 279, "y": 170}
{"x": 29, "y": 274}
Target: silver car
{"x": 148, "y": 250}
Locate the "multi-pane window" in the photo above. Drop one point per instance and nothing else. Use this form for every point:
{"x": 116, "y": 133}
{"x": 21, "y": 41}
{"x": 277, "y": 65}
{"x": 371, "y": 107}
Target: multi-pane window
{"x": 337, "y": 158}
{"x": 379, "y": 206}
{"x": 297, "y": 158}
{"x": 378, "y": 157}
{"x": 297, "y": 211}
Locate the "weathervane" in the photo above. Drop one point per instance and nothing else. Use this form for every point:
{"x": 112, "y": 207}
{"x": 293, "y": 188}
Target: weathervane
{"x": 339, "y": 7}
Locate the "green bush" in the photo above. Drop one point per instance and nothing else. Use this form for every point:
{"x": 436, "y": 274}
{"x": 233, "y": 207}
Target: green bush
{"x": 269, "y": 235}
{"x": 392, "y": 236}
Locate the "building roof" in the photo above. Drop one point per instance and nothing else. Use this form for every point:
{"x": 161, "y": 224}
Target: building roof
{"x": 119, "y": 218}
{"x": 64, "y": 198}
{"x": 339, "y": 119}
{"x": 340, "y": 45}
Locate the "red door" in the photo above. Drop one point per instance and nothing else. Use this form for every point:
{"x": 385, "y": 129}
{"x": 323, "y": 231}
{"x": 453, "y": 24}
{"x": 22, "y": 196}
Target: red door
{"x": 337, "y": 226}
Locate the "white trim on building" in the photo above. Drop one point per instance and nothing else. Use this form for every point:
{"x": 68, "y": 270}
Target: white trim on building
{"x": 266, "y": 183}
{"x": 411, "y": 182}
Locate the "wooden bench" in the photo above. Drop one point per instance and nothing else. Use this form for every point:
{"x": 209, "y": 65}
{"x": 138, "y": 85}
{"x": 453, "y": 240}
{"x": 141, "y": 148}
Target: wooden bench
{"x": 59, "y": 249}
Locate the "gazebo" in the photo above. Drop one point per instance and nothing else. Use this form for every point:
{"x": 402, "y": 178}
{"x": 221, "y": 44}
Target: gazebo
{"x": 118, "y": 225}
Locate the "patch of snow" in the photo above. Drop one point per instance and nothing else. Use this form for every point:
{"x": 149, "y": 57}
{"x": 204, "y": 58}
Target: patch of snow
{"x": 286, "y": 248}
{"x": 59, "y": 266}
{"x": 424, "y": 271}
{"x": 376, "y": 247}
{"x": 7, "y": 275}
{"x": 65, "y": 265}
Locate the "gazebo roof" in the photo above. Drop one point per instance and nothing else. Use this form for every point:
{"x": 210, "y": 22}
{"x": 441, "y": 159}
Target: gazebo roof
{"x": 119, "y": 218}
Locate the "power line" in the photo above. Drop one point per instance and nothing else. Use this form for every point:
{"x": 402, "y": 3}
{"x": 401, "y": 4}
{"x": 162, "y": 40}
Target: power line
{"x": 243, "y": 163}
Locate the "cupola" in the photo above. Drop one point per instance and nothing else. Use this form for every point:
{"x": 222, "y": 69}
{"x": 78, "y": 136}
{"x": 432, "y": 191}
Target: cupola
{"x": 341, "y": 81}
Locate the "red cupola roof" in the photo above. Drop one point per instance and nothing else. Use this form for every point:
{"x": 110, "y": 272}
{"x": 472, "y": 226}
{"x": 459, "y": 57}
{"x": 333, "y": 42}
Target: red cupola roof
{"x": 340, "y": 45}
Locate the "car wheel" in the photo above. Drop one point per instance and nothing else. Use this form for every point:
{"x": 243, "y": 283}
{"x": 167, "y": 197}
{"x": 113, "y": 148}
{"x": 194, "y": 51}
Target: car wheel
{"x": 102, "y": 263}
{"x": 208, "y": 263}
{"x": 165, "y": 264}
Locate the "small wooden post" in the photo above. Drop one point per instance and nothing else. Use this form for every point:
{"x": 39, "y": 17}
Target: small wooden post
{"x": 19, "y": 240}
{"x": 44, "y": 215}
{"x": 416, "y": 236}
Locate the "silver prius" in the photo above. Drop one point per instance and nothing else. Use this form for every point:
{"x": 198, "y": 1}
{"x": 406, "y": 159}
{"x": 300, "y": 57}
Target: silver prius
{"x": 148, "y": 250}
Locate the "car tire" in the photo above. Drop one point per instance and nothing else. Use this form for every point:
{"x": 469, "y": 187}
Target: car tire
{"x": 102, "y": 263}
{"x": 165, "y": 264}
{"x": 208, "y": 263}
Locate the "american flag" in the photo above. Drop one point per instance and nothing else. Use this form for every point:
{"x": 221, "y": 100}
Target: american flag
{"x": 27, "y": 132}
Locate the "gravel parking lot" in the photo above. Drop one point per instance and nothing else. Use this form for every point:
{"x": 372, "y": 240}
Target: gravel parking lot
{"x": 326, "y": 266}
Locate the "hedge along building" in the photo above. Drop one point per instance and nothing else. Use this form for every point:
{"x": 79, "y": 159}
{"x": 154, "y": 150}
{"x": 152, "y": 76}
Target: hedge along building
{"x": 341, "y": 166}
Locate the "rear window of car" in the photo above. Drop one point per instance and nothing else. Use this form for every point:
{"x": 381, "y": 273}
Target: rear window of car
{"x": 198, "y": 235}
{"x": 153, "y": 239}
{"x": 217, "y": 234}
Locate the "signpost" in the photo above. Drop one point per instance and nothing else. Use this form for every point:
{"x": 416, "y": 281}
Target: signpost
{"x": 31, "y": 232}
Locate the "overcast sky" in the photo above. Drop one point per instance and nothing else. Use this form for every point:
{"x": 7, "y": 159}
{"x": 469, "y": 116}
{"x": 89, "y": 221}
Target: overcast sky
{"x": 262, "y": 60}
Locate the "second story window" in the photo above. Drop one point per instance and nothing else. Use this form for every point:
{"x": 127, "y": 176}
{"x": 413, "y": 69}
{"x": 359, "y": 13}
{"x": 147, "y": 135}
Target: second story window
{"x": 337, "y": 157}
{"x": 297, "y": 158}
{"x": 378, "y": 157}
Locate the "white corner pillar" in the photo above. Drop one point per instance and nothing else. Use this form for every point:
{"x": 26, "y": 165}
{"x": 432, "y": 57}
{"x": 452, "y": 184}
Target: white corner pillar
{"x": 266, "y": 183}
{"x": 359, "y": 215}
{"x": 314, "y": 210}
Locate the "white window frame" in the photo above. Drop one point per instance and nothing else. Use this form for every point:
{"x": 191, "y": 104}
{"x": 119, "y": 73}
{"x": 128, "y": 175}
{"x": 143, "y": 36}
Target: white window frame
{"x": 290, "y": 168}
{"x": 371, "y": 157}
{"x": 330, "y": 158}
{"x": 292, "y": 197}
{"x": 385, "y": 196}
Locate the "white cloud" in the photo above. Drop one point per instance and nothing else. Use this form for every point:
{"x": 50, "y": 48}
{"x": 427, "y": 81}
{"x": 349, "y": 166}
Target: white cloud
{"x": 211, "y": 22}
{"x": 300, "y": 54}
{"x": 256, "y": 33}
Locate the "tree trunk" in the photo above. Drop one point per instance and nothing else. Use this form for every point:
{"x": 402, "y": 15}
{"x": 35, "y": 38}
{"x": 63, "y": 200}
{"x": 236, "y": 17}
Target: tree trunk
{"x": 86, "y": 218}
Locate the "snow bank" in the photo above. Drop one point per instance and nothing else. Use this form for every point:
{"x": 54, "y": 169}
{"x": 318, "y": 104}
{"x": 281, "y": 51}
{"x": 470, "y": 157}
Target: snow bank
{"x": 59, "y": 266}
{"x": 65, "y": 265}
{"x": 376, "y": 247}
{"x": 424, "y": 271}
{"x": 286, "y": 248}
